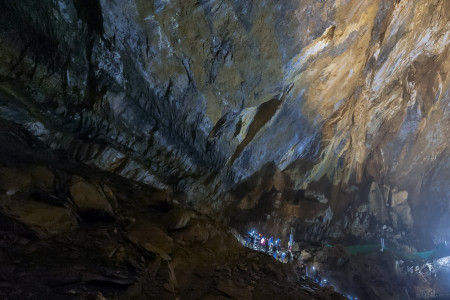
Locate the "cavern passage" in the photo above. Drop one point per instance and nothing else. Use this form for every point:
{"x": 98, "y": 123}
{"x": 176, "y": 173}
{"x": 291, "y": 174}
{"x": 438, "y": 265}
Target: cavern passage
{"x": 141, "y": 140}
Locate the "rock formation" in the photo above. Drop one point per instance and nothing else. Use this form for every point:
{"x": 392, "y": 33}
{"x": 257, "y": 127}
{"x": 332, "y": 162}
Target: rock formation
{"x": 330, "y": 118}
{"x": 70, "y": 232}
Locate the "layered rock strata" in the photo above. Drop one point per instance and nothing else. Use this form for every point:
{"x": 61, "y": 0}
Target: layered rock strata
{"x": 346, "y": 103}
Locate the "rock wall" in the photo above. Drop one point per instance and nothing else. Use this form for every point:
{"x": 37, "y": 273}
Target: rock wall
{"x": 333, "y": 116}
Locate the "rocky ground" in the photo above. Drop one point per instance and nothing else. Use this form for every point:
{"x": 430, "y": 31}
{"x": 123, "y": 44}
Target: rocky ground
{"x": 390, "y": 274}
{"x": 71, "y": 232}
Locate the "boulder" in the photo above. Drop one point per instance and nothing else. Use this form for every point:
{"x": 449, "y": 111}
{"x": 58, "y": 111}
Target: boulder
{"x": 46, "y": 220}
{"x": 179, "y": 218}
{"x": 402, "y": 216}
{"x": 42, "y": 177}
{"x": 399, "y": 198}
{"x": 332, "y": 256}
{"x": 305, "y": 256}
{"x": 13, "y": 180}
{"x": 152, "y": 238}
{"x": 197, "y": 232}
{"x": 88, "y": 196}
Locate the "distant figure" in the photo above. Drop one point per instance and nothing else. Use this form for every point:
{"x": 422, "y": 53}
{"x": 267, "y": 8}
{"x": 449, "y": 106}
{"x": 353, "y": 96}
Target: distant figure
{"x": 262, "y": 244}
{"x": 382, "y": 245}
{"x": 274, "y": 248}
{"x": 290, "y": 256}
{"x": 258, "y": 241}
{"x": 317, "y": 277}
{"x": 248, "y": 241}
{"x": 291, "y": 241}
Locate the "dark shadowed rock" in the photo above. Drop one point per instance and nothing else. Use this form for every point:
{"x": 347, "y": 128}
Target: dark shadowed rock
{"x": 152, "y": 238}
{"x": 87, "y": 196}
{"x": 45, "y": 220}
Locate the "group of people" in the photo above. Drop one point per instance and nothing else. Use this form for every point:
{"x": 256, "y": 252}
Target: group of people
{"x": 273, "y": 247}
{"x": 259, "y": 242}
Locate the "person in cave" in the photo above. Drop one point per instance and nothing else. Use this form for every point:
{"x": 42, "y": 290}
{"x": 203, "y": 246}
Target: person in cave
{"x": 301, "y": 267}
{"x": 263, "y": 243}
{"x": 258, "y": 239}
{"x": 283, "y": 255}
{"x": 278, "y": 244}
{"x": 278, "y": 255}
{"x": 291, "y": 241}
{"x": 290, "y": 256}
{"x": 274, "y": 249}
{"x": 248, "y": 240}
{"x": 382, "y": 245}
{"x": 270, "y": 244}
{"x": 252, "y": 241}
{"x": 317, "y": 277}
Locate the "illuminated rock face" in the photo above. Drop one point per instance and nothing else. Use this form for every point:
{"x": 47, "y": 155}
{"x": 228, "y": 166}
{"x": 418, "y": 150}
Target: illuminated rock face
{"x": 330, "y": 116}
